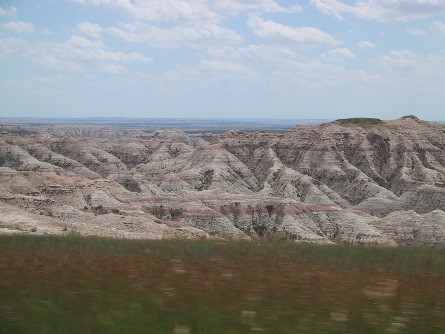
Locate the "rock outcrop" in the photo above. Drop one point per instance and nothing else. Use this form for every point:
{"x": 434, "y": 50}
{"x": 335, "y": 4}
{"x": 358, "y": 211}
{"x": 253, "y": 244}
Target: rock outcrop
{"x": 358, "y": 180}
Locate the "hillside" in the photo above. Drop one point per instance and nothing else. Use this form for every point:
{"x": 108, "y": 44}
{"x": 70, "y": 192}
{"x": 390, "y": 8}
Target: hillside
{"x": 358, "y": 180}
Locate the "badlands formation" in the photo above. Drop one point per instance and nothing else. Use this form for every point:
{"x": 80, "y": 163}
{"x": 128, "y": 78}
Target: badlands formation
{"x": 359, "y": 181}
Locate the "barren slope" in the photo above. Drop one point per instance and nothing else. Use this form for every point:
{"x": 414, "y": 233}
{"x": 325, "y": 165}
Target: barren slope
{"x": 359, "y": 181}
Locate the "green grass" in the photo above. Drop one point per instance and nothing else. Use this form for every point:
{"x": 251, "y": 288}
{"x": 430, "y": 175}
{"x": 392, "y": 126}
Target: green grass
{"x": 361, "y": 121}
{"x": 75, "y": 284}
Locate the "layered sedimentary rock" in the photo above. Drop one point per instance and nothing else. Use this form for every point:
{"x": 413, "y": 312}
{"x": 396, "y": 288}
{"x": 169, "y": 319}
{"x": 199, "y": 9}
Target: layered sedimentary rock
{"x": 359, "y": 181}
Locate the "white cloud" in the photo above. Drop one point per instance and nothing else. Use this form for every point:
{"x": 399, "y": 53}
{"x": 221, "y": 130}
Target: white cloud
{"x": 366, "y": 45}
{"x": 19, "y": 27}
{"x": 416, "y": 32}
{"x": 398, "y": 60}
{"x": 8, "y": 12}
{"x": 84, "y": 43}
{"x": 80, "y": 48}
{"x": 46, "y": 31}
{"x": 284, "y": 70}
{"x": 331, "y": 7}
{"x": 155, "y": 10}
{"x": 298, "y": 37}
{"x": 439, "y": 26}
{"x": 113, "y": 69}
{"x": 216, "y": 51}
{"x": 319, "y": 74}
{"x": 428, "y": 69}
{"x": 90, "y": 29}
{"x": 341, "y": 54}
{"x": 222, "y": 66}
{"x": 75, "y": 54}
{"x": 176, "y": 36}
{"x": 252, "y": 6}
{"x": 383, "y": 10}
{"x": 11, "y": 46}
{"x": 268, "y": 54}
{"x": 406, "y": 69}
{"x": 51, "y": 79}
{"x": 199, "y": 11}
{"x": 54, "y": 63}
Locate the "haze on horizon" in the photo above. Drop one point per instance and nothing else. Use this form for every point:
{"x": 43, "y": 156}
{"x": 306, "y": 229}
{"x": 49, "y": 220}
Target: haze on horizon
{"x": 317, "y": 59}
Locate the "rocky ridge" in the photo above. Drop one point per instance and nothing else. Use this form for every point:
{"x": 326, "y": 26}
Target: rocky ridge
{"x": 358, "y": 181}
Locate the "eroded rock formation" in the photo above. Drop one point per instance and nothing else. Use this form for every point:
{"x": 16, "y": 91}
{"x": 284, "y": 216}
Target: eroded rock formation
{"x": 357, "y": 180}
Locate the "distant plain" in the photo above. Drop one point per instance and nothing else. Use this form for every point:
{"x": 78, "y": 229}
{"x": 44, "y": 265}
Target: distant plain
{"x": 188, "y": 125}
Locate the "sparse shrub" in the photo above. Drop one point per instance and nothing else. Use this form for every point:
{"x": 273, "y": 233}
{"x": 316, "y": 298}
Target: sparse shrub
{"x": 275, "y": 175}
{"x": 158, "y": 211}
{"x": 47, "y": 212}
{"x": 100, "y": 210}
{"x": 176, "y": 213}
{"x": 199, "y": 187}
{"x": 163, "y": 213}
{"x": 269, "y": 208}
{"x": 131, "y": 185}
{"x": 238, "y": 172}
{"x": 236, "y": 210}
{"x": 205, "y": 180}
{"x": 174, "y": 152}
{"x": 88, "y": 199}
{"x": 259, "y": 228}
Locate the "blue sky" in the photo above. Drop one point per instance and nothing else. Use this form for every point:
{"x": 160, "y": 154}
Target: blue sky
{"x": 222, "y": 58}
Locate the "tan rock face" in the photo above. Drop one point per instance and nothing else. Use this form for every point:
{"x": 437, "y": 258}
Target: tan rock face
{"x": 369, "y": 183}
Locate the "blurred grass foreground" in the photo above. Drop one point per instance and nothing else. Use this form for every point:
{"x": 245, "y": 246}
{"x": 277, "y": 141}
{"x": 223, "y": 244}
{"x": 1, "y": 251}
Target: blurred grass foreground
{"x": 74, "y": 284}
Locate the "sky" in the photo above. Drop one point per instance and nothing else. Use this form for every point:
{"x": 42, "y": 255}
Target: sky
{"x": 323, "y": 59}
